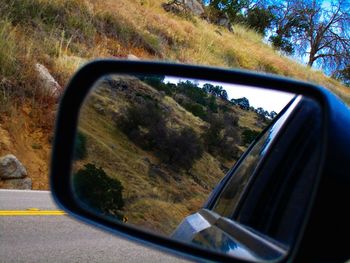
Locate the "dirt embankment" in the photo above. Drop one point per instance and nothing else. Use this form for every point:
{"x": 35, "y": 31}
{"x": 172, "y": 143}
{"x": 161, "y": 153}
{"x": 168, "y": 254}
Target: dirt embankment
{"x": 30, "y": 144}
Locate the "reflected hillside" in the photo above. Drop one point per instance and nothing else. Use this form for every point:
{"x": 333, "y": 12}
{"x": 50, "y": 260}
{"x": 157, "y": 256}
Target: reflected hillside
{"x": 167, "y": 144}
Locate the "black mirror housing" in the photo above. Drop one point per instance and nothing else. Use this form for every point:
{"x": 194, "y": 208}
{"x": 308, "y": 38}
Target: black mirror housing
{"x": 325, "y": 225}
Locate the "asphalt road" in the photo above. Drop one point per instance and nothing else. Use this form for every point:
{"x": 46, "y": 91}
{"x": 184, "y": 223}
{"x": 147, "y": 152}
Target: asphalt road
{"x": 59, "y": 238}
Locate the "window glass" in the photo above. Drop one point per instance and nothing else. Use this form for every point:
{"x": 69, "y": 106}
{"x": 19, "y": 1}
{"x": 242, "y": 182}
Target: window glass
{"x": 228, "y": 200}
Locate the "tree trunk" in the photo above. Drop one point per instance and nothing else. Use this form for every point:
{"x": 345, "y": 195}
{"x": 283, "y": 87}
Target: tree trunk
{"x": 310, "y": 63}
{"x": 311, "y": 58}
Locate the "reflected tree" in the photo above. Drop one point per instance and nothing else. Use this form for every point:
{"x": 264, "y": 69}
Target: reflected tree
{"x": 98, "y": 191}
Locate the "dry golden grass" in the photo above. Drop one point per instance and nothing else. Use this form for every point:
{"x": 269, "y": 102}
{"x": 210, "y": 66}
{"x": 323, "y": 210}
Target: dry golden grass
{"x": 149, "y": 186}
{"x": 109, "y": 29}
{"x": 200, "y": 43}
{"x": 182, "y": 117}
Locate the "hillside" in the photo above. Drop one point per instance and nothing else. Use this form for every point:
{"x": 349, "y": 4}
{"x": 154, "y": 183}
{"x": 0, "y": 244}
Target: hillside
{"x": 159, "y": 166}
{"x": 62, "y": 35}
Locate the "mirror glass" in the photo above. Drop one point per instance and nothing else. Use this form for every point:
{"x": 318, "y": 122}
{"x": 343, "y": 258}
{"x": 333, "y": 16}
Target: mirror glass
{"x": 150, "y": 149}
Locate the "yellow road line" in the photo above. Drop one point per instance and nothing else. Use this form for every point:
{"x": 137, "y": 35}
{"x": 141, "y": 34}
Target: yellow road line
{"x": 33, "y": 209}
{"x": 31, "y": 213}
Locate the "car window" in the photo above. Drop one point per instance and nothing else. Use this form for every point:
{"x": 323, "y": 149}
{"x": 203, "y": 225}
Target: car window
{"x": 228, "y": 200}
{"x": 272, "y": 197}
{"x": 276, "y": 203}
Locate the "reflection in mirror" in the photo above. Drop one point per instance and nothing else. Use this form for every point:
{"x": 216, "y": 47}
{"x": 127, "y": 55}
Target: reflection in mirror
{"x": 150, "y": 149}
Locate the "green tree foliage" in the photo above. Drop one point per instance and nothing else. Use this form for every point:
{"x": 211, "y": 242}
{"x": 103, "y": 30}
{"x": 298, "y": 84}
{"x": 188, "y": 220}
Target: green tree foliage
{"x": 286, "y": 23}
{"x": 243, "y": 103}
{"x": 200, "y": 98}
{"x": 154, "y": 81}
{"x": 222, "y": 136}
{"x": 214, "y": 134}
{"x": 343, "y": 75}
{"x": 325, "y": 38}
{"x": 233, "y": 8}
{"x": 196, "y": 110}
{"x": 146, "y": 126}
{"x": 212, "y": 105}
{"x": 217, "y": 91}
{"x": 249, "y": 136}
{"x": 80, "y": 146}
{"x": 259, "y": 19}
{"x": 157, "y": 82}
{"x": 181, "y": 148}
{"x": 192, "y": 91}
{"x": 314, "y": 29}
{"x": 205, "y": 96}
{"x": 98, "y": 191}
{"x": 282, "y": 43}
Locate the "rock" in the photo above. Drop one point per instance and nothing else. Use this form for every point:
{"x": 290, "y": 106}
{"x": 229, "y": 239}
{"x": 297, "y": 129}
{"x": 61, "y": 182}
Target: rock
{"x": 22, "y": 184}
{"x": 11, "y": 168}
{"x": 156, "y": 172}
{"x": 132, "y": 57}
{"x": 100, "y": 109}
{"x": 49, "y": 84}
{"x": 195, "y": 7}
{"x": 224, "y": 21}
{"x": 184, "y": 6}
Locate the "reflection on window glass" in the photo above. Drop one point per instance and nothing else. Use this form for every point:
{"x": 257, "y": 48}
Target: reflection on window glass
{"x": 228, "y": 200}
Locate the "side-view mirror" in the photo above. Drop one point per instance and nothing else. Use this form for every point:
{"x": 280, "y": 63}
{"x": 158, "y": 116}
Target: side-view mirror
{"x": 207, "y": 163}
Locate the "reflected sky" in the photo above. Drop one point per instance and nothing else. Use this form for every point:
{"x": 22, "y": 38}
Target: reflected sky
{"x": 269, "y": 100}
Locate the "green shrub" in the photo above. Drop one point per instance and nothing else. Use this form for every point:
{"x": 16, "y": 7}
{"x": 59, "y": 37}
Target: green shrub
{"x": 229, "y": 149}
{"x": 157, "y": 82}
{"x": 80, "y": 146}
{"x": 196, "y": 110}
{"x": 259, "y": 19}
{"x": 213, "y": 134}
{"x": 249, "y": 136}
{"x": 98, "y": 191}
{"x": 145, "y": 125}
{"x": 222, "y": 137}
{"x": 193, "y": 92}
{"x": 212, "y": 105}
{"x": 230, "y": 119}
{"x": 181, "y": 148}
